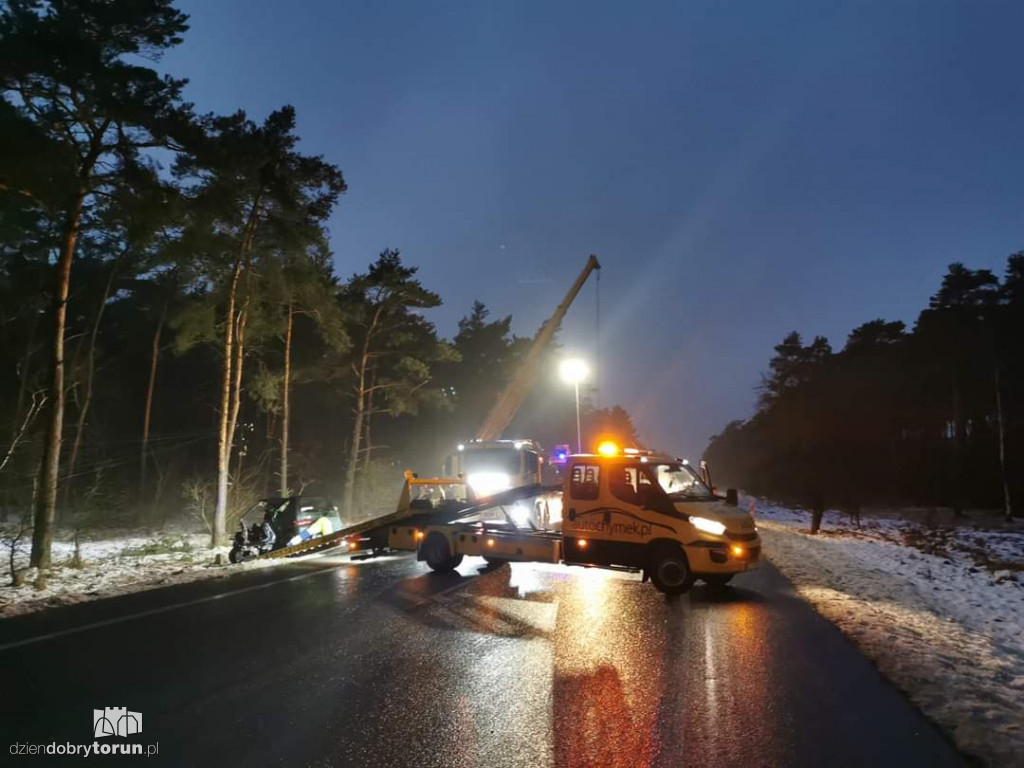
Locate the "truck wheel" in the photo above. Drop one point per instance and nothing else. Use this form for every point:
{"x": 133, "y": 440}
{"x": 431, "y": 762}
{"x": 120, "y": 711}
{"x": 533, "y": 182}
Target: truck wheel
{"x": 670, "y": 571}
{"x": 438, "y": 553}
{"x": 717, "y": 579}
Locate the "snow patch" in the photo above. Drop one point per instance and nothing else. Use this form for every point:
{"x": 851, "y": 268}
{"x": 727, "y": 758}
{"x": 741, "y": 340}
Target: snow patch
{"x": 118, "y": 564}
{"x": 923, "y": 605}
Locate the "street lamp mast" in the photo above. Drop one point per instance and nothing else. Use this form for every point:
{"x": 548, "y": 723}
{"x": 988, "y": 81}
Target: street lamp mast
{"x": 574, "y": 370}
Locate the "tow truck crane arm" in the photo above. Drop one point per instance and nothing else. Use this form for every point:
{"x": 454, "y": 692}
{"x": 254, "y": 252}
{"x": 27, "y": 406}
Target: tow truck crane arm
{"x": 498, "y": 418}
{"x": 508, "y": 402}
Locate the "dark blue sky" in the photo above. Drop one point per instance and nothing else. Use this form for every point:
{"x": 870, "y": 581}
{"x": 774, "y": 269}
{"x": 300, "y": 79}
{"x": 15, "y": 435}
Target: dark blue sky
{"x": 743, "y": 169}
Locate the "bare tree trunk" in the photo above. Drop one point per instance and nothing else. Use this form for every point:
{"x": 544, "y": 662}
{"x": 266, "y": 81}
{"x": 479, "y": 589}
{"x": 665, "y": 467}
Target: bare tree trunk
{"x": 154, "y": 360}
{"x": 817, "y": 513}
{"x": 1001, "y": 426}
{"x": 368, "y": 450}
{"x": 286, "y": 400}
{"x": 236, "y": 384}
{"x": 959, "y": 447}
{"x": 236, "y": 372}
{"x": 223, "y": 437}
{"x": 46, "y": 503}
{"x": 90, "y": 369}
{"x": 348, "y": 492}
{"x": 226, "y": 433}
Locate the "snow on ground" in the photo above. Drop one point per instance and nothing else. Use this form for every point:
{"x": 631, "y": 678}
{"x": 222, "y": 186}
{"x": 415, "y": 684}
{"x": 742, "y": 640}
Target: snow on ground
{"x": 117, "y": 564}
{"x": 939, "y": 609}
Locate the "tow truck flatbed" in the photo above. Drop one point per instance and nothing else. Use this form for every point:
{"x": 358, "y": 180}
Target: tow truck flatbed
{"x": 414, "y": 516}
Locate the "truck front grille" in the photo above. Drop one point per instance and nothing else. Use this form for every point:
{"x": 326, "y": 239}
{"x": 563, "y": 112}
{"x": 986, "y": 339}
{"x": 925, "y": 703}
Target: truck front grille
{"x": 741, "y": 536}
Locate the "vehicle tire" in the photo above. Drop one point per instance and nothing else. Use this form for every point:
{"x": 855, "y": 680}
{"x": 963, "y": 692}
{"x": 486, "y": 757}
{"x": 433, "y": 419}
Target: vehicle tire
{"x": 235, "y": 555}
{"x": 494, "y": 562}
{"x": 717, "y": 579}
{"x": 669, "y": 570}
{"x": 438, "y": 553}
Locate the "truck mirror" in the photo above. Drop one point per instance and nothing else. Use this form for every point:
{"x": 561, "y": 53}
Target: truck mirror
{"x": 705, "y": 474}
{"x": 732, "y": 497}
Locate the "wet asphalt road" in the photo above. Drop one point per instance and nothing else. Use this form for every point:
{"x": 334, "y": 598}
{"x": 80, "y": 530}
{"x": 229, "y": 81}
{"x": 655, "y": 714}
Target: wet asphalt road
{"x": 325, "y": 662}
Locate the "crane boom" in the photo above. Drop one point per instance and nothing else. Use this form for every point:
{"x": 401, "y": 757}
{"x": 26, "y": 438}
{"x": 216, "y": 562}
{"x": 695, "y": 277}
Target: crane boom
{"x": 508, "y": 402}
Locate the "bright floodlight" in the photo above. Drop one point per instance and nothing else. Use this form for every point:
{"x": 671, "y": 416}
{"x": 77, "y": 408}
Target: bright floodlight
{"x": 574, "y": 370}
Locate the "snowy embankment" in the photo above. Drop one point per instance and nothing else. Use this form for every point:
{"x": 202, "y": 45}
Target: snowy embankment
{"x": 114, "y": 565}
{"x": 940, "y": 610}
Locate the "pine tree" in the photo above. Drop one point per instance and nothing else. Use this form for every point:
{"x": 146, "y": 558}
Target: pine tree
{"x": 75, "y": 96}
{"x": 394, "y": 348}
{"x": 254, "y": 193}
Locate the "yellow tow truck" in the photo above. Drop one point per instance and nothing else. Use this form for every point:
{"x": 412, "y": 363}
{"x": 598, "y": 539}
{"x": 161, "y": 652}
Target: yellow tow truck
{"x": 631, "y": 510}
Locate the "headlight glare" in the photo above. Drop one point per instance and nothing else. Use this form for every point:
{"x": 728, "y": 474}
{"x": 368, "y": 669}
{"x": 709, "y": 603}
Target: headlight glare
{"x": 489, "y": 483}
{"x": 708, "y": 526}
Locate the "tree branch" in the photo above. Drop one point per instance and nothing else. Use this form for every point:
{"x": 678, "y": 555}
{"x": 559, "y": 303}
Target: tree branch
{"x": 38, "y": 400}
{"x": 24, "y": 193}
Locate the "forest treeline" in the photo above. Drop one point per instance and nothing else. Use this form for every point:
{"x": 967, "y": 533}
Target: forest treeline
{"x": 931, "y": 416}
{"x": 172, "y": 327}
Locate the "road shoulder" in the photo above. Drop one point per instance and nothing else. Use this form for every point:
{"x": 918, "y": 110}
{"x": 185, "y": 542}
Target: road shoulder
{"x": 917, "y": 617}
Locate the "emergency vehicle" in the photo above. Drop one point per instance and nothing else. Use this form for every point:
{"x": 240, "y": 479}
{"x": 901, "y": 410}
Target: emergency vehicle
{"x": 491, "y": 466}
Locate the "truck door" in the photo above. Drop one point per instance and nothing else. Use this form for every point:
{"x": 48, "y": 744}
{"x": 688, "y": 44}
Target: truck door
{"x": 582, "y": 497}
{"x": 612, "y": 512}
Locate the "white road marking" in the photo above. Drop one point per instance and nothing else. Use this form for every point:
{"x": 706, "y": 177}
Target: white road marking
{"x": 162, "y": 609}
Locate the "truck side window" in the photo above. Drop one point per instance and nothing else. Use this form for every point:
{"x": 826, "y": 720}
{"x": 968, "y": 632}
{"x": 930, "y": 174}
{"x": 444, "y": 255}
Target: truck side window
{"x": 583, "y": 484}
{"x": 623, "y": 484}
{"x": 532, "y": 464}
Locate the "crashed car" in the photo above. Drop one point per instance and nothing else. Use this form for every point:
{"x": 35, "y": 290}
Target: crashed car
{"x": 276, "y": 522}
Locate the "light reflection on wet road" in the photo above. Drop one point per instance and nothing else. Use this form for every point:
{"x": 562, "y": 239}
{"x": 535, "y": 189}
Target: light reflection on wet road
{"x": 381, "y": 663}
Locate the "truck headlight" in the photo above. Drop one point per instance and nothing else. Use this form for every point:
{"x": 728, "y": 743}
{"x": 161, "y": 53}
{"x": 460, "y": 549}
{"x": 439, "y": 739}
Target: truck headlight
{"x": 488, "y": 483}
{"x": 708, "y": 526}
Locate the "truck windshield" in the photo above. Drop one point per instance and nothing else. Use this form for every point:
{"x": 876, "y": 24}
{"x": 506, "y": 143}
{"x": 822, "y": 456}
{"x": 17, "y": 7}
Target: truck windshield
{"x": 680, "y": 481}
